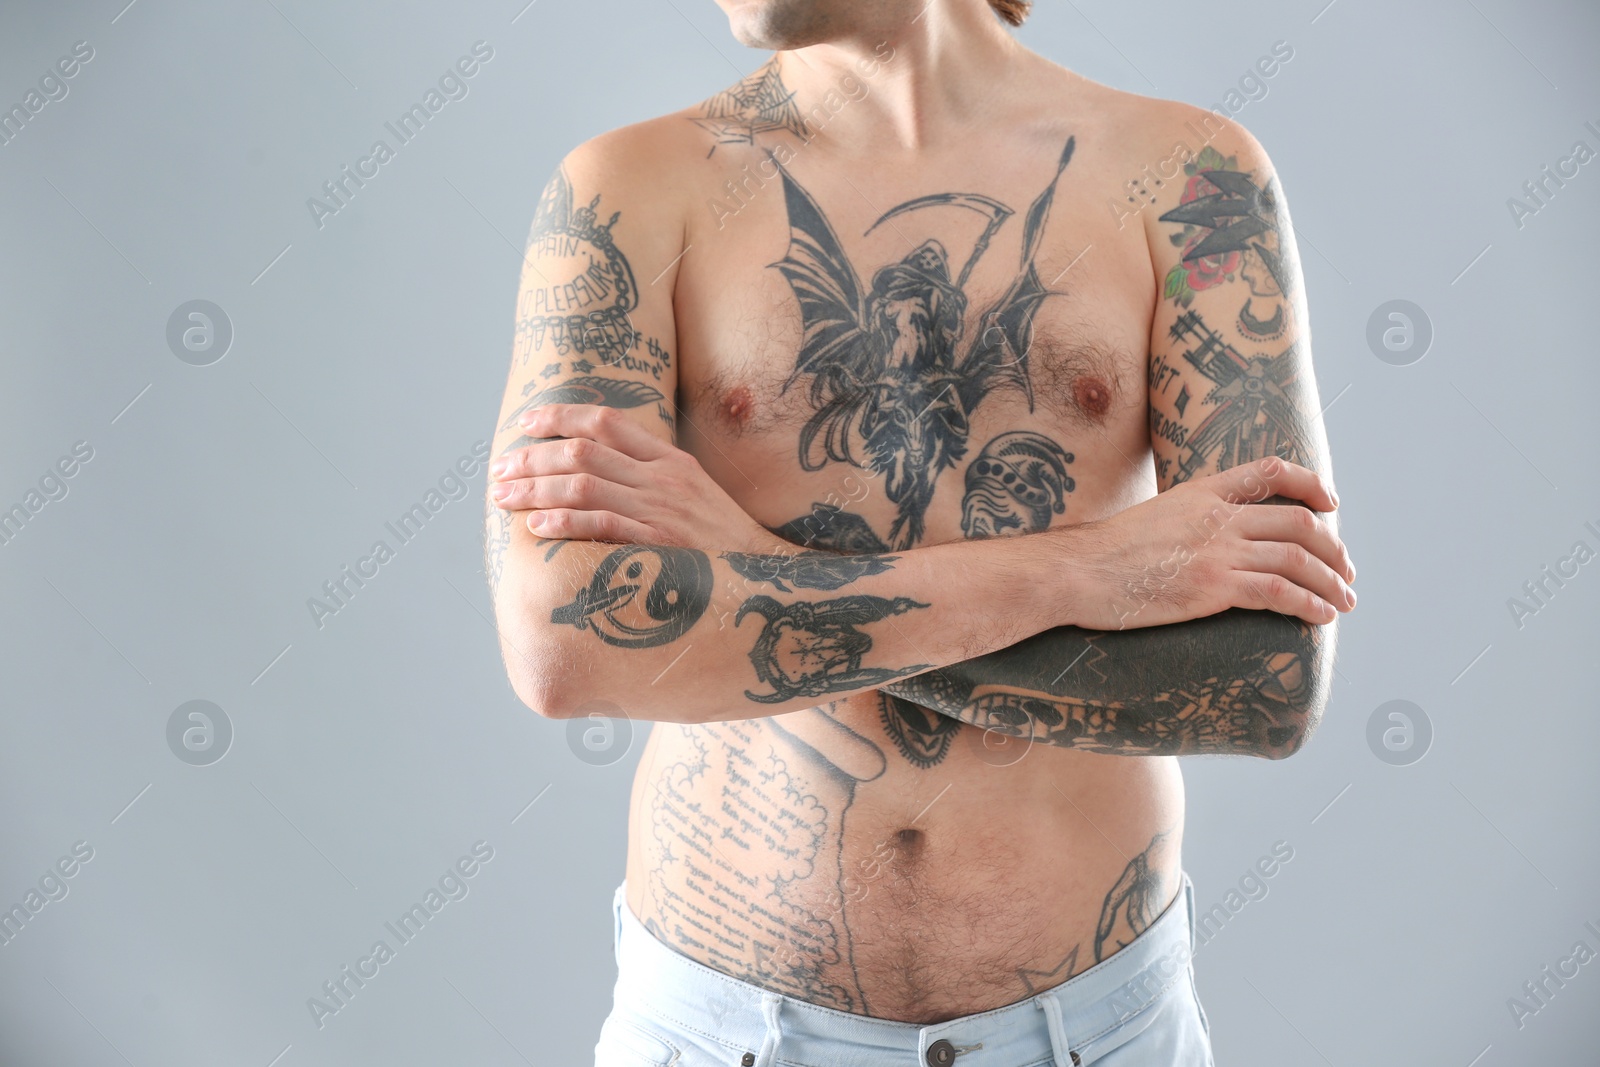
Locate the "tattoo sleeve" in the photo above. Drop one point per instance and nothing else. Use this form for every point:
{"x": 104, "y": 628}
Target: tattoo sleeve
{"x": 1242, "y": 682}
{"x": 1229, "y": 382}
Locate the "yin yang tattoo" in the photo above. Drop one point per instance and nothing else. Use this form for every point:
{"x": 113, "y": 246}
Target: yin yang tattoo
{"x": 642, "y": 596}
{"x": 1015, "y": 485}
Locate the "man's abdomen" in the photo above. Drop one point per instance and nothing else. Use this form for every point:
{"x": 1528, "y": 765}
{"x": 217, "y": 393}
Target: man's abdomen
{"x": 874, "y": 858}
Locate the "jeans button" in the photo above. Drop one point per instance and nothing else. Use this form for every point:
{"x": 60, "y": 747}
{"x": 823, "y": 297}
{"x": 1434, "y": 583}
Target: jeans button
{"x": 941, "y": 1054}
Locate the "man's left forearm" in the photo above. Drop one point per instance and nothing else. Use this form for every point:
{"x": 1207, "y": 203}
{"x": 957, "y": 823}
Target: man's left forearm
{"x": 1240, "y": 682}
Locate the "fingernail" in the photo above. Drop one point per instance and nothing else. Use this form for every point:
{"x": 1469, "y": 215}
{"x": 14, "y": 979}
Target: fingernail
{"x": 1334, "y": 493}
{"x": 497, "y": 468}
{"x": 535, "y": 520}
{"x": 1350, "y": 596}
{"x": 500, "y": 492}
{"x": 527, "y": 417}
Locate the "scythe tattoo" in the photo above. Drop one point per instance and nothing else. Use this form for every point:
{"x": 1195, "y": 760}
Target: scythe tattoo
{"x": 893, "y": 377}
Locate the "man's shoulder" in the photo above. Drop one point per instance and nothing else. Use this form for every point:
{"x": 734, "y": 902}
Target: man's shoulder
{"x": 1149, "y": 129}
{"x": 641, "y": 158}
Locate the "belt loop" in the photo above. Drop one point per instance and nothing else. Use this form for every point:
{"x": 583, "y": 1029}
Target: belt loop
{"x": 1064, "y": 1056}
{"x": 770, "y": 1004}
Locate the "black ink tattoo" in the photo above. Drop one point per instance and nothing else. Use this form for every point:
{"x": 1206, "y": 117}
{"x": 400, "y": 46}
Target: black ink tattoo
{"x": 807, "y": 570}
{"x": 1238, "y": 682}
{"x": 758, "y": 104}
{"x": 1038, "y": 981}
{"x": 749, "y": 876}
{"x": 922, "y": 737}
{"x": 588, "y": 287}
{"x": 1135, "y": 901}
{"x": 642, "y": 596}
{"x": 606, "y": 392}
{"x": 1017, "y": 483}
{"x": 1257, "y": 413}
{"x": 892, "y": 383}
{"x": 497, "y": 540}
{"x": 832, "y": 528}
{"x": 812, "y": 649}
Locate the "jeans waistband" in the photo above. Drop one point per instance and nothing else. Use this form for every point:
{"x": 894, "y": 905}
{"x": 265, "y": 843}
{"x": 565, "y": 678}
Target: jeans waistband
{"x": 1048, "y": 1027}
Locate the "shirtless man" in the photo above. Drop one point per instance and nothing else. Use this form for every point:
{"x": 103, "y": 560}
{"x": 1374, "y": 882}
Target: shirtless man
{"x": 926, "y": 438}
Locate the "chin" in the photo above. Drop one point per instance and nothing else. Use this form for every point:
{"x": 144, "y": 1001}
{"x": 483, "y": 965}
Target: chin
{"x": 784, "y": 25}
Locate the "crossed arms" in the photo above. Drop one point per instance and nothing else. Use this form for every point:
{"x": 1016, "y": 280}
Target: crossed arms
{"x": 1156, "y": 631}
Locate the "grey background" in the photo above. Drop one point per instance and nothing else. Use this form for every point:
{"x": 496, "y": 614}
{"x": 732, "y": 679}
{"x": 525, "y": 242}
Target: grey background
{"x": 369, "y": 354}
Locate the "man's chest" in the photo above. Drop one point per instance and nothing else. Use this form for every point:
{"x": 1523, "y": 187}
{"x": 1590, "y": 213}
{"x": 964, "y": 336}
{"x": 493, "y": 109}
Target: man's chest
{"x": 882, "y": 374}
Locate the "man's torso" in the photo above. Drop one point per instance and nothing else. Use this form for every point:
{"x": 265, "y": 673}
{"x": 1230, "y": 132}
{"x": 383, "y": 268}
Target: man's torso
{"x": 858, "y": 377}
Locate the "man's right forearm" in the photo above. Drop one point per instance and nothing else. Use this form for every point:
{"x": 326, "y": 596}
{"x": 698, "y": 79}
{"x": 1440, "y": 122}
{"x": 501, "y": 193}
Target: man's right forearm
{"x": 680, "y": 635}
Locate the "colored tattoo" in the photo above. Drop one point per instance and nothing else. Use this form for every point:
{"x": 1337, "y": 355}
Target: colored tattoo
{"x": 1233, "y": 227}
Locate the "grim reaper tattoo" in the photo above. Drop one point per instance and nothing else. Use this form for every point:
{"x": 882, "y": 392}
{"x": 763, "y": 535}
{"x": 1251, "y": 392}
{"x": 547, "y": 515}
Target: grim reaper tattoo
{"x": 893, "y": 376}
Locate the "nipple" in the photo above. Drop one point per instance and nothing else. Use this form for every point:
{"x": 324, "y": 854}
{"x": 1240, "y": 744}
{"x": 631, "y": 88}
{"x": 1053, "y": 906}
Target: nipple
{"x": 1092, "y": 396}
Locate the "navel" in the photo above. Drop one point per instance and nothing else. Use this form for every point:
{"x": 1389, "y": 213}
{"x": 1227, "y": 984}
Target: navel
{"x": 907, "y": 842}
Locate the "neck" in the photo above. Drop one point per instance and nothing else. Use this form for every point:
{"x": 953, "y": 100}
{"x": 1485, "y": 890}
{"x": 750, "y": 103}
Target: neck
{"x": 904, "y": 80}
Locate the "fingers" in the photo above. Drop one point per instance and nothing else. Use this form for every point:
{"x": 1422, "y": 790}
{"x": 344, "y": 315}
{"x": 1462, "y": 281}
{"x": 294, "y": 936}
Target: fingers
{"x": 1254, "y": 482}
{"x": 582, "y": 490}
{"x": 1274, "y": 592}
{"x": 566, "y": 524}
{"x": 1306, "y": 571}
{"x": 572, "y": 455}
{"x": 1296, "y": 525}
{"x": 609, "y": 426}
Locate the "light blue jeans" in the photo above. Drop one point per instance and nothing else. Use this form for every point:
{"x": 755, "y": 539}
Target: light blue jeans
{"x": 1137, "y": 1009}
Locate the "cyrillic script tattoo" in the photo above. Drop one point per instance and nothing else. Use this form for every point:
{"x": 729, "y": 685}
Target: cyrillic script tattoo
{"x": 754, "y": 882}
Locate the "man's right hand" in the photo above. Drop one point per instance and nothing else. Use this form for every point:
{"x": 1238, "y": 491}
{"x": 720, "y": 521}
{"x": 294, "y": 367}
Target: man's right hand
{"x": 1211, "y": 544}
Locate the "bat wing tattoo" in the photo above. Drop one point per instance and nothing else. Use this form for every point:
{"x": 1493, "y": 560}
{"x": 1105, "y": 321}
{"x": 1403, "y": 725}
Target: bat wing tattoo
{"x": 893, "y": 376}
